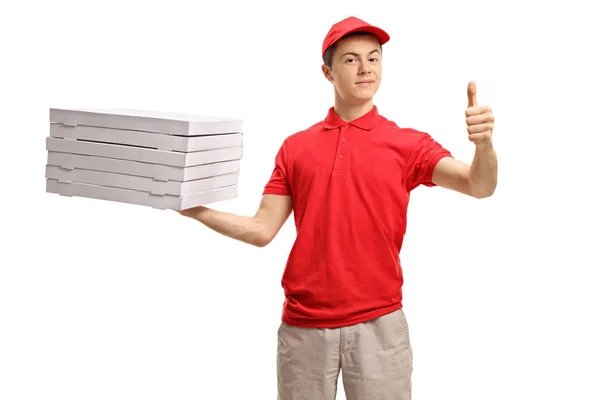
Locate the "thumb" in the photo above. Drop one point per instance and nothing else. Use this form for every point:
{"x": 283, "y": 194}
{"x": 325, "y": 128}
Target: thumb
{"x": 472, "y": 94}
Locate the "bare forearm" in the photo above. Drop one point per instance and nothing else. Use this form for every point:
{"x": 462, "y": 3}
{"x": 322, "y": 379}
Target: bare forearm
{"x": 246, "y": 229}
{"x": 484, "y": 171}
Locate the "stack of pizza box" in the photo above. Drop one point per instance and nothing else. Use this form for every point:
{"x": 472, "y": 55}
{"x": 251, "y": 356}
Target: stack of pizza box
{"x": 157, "y": 159}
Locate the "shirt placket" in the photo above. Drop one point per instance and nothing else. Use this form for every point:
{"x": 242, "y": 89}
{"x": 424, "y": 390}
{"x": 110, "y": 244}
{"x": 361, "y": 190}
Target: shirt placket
{"x": 342, "y": 153}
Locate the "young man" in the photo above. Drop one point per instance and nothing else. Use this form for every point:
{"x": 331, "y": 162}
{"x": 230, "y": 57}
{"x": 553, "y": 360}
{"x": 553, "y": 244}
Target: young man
{"x": 347, "y": 180}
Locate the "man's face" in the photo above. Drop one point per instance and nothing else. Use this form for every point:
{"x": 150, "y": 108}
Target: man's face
{"x": 356, "y": 68}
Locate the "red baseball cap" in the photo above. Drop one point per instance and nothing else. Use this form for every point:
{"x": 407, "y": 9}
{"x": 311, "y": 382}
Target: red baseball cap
{"x": 349, "y": 25}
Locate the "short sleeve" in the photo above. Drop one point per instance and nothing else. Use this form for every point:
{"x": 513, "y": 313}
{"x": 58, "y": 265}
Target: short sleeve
{"x": 424, "y": 157}
{"x": 278, "y": 182}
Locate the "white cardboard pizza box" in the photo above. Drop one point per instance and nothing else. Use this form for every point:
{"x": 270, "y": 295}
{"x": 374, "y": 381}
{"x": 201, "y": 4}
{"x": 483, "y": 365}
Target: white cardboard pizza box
{"x": 141, "y": 198}
{"x": 157, "y": 172}
{"x": 167, "y": 123}
{"x": 153, "y": 156}
{"x": 146, "y": 139}
{"x": 140, "y": 183}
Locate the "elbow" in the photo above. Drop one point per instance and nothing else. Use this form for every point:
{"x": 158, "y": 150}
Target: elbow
{"x": 260, "y": 242}
{"x": 483, "y": 194}
{"x": 262, "y": 239}
{"x": 481, "y": 190}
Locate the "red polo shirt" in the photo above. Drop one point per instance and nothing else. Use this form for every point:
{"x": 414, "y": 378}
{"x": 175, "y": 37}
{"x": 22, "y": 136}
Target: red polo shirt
{"x": 350, "y": 184}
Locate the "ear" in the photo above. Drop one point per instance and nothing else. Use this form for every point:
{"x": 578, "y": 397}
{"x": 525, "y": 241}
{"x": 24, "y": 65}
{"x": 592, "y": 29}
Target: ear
{"x": 327, "y": 72}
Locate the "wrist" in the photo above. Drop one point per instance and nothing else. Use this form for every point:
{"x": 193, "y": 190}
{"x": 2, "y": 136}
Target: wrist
{"x": 200, "y": 213}
{"x": 487, "y": 145}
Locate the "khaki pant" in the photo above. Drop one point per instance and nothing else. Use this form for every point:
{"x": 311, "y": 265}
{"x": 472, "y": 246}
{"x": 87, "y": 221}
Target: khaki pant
{"x": 375, "y": 359}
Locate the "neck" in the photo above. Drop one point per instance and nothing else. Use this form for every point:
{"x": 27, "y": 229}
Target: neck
{"x": 351, "y": 111}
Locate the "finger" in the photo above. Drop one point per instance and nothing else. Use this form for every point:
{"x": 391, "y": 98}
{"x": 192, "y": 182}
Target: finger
{"x": 481, "y": 137}
{"x": 472, "y": 94}
{"x": 480, "y": 119}
{"x": 480, "y": 128}
{"x": 476, "y": 110}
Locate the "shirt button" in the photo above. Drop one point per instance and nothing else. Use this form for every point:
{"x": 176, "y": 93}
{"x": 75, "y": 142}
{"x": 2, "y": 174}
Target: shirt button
{"x": 341, "y": 156}
{"x": 344, "y": 140}
{"x": 345, "y": 126}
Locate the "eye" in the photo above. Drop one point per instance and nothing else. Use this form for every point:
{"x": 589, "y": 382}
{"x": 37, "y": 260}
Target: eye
{"x": 350, "y": 59}
{"x": 374, "y": 59}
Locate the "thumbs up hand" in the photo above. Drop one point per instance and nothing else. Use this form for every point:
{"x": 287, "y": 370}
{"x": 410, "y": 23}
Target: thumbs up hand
{"x": 480, "y": 120}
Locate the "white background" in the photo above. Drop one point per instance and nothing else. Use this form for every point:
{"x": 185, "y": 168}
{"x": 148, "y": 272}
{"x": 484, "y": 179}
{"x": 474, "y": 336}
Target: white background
{"x": 102, "y": 300}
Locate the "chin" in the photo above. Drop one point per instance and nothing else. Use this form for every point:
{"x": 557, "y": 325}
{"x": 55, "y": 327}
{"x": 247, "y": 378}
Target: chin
{"x": 357, "y": 96}
{"x": 364, "y": 96}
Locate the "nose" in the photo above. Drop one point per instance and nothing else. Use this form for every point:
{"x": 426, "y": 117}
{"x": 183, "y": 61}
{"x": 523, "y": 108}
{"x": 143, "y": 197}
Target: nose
{"x": 364, "y": 68}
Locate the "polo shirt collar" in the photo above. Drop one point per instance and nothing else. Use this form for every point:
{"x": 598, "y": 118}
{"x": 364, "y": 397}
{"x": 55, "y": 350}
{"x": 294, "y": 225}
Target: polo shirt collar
{"x": 366, "y": 122}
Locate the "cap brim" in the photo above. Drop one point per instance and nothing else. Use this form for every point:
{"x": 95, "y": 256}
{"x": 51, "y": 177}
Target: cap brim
{"x": 379, "y": 33}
